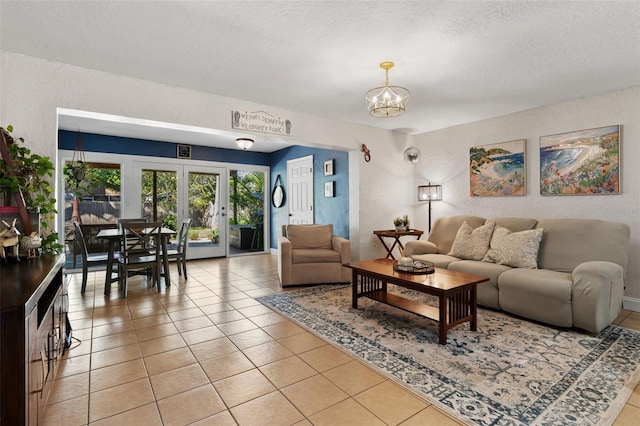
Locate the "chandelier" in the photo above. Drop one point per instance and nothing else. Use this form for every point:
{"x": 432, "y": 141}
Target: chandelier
{"x": 387, "y": 101}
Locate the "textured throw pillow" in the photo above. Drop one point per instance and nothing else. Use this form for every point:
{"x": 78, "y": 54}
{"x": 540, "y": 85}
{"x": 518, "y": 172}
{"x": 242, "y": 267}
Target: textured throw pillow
{"x": 515, "y": 249}
{"x": 472, "y": 243}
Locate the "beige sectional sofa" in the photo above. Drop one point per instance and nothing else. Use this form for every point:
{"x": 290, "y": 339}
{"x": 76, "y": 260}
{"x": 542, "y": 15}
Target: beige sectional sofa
{"x": 577, "y": 275}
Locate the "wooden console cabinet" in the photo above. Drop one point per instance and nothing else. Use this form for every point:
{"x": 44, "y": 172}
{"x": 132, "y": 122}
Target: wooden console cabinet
{"x": 34, "y": 335}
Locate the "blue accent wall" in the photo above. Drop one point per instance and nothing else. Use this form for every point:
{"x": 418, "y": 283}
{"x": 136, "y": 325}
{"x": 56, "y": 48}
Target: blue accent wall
{"x": 334, "y": 210}
{"x": 129, "y": 146}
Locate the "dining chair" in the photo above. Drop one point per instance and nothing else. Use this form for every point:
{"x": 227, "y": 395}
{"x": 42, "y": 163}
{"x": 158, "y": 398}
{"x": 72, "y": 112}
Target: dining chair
{"x": 87, "y": 259}
{"x": 122, "y": 221}
{"x": 180, "y": 252}
{"x": 141, "y": 252}
{"x": 134, "y": 219}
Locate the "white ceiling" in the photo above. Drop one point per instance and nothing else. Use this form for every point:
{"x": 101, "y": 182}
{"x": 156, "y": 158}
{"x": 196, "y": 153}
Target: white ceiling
{"x": 462, "y": 61}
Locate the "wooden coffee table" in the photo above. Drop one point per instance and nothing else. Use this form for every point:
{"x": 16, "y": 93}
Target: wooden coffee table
{"x": 456, "y": 292}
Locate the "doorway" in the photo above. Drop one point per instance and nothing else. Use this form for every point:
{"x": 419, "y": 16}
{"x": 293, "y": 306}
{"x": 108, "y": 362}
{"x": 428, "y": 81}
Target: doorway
{"x": 246, "y": 211}
{"x": 300, "y": 190}
{"x": 170, "y": 193}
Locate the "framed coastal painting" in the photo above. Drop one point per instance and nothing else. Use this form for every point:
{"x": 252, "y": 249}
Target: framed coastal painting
{"x": 583, "y": 162}
{"x": 498, "y": 169}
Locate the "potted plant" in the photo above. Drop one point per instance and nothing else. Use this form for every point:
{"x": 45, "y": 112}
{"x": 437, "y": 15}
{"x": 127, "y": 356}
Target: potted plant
{"x": 78, "y": 170}
{"x": 79, "y": 178}
{"x": 30, "y": 175}
{"x": 405, "y": 222}
{"x": 401, "y": 223}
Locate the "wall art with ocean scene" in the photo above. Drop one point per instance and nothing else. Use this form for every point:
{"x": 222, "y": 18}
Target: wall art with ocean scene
{"x": 498, "y": 169}
{"x": 583, "y": 162}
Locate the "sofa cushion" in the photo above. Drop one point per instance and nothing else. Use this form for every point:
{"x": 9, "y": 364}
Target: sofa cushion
{"x": 314, "y": 256}
{"x": 515, "y": 249}
{"x": 515, "y": 224}
{"x": 488, "y": 290}
{"x": 310, "y": 236}
{"x": 317, "y": 273}
{"x": 444, "y": 230}
{"x": 472, "y": 243}
{"x": 537, "y": 294}
{"x": 438, "y": 260}
{"x": 569, "y": 242}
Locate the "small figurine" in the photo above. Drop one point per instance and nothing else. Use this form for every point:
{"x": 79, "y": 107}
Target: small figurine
{"x": 31, "y": 243}
{"x": 9, "y": 240}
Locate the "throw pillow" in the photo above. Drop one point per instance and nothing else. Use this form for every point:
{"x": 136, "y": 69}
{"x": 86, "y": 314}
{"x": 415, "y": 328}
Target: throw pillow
{"x": 472, "y": 243}
{"x": 515, "y": 249}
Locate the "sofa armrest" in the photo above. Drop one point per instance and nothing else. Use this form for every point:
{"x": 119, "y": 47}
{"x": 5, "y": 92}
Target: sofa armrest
{"x": 342, "y": 246}
{"x": 285, "y": 258}
{"x": 419, "y": 247}
{"x": 598, "y": 289}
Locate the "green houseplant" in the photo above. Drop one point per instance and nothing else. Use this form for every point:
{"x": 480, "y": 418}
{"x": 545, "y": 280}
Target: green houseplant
{"x": 401, "y": 223}
{"x": 31, "y": 174}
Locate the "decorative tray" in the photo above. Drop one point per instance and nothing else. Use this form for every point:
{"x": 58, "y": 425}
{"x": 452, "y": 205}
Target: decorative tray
{"x": 419, "y": 267}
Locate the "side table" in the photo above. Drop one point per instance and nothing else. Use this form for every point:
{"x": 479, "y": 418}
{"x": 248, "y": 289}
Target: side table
{"x": 392, "y": 233}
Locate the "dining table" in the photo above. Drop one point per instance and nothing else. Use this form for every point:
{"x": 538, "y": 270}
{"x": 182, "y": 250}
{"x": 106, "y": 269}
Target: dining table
{"x": 114, "y": 238}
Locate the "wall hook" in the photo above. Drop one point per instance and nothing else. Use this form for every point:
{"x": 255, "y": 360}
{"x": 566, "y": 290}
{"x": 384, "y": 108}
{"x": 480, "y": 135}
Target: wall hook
{"x": 367, "y": 153}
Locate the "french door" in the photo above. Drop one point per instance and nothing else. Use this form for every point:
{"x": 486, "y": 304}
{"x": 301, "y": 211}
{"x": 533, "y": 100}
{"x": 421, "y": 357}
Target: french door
{"x": 172, "y": 192}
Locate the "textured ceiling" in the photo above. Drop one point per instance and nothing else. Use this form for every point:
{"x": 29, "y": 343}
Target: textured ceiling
{"x": 462, "y": 61}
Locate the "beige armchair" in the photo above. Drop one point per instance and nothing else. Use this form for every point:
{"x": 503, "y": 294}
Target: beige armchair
{"x": 311, "y": 254}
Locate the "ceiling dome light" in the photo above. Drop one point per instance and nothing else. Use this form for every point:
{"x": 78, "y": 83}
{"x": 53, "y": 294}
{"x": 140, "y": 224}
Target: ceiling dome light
{"x": 387, "y": 101}
{"x": 244, "y": 143}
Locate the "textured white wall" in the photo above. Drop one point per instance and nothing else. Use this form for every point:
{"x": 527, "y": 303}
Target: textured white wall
{"x": 31, "y": 90}
{"x": 446, "y": 160}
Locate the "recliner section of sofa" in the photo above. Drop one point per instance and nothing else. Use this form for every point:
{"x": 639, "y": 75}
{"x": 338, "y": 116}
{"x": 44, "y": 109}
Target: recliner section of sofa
{"x": 579, "y": 281}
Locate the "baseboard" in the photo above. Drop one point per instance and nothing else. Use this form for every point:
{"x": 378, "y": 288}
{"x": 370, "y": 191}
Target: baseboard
{"x": 631, "y": 303}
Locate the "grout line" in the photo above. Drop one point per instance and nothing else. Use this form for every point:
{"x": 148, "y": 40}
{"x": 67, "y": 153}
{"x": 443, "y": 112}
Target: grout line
{"x": 198, "y": 280}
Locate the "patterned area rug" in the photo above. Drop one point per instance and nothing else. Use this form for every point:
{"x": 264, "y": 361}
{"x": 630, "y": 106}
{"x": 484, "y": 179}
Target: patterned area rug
{"x": 509, "y": 372}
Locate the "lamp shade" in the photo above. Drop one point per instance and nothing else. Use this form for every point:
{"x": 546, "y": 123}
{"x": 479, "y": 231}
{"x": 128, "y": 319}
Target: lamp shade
{"x": 430, "y": 192}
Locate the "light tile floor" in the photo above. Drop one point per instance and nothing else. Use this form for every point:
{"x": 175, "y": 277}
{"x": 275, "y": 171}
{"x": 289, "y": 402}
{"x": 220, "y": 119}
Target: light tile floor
{"x": 205, "y": 352}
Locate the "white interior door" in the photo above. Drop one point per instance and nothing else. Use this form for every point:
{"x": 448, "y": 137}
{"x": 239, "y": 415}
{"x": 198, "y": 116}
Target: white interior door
{"x": 300, "y": 190}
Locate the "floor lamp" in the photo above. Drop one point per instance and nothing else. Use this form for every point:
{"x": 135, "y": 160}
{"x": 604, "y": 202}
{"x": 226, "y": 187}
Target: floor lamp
{"x": 430, "y": 193}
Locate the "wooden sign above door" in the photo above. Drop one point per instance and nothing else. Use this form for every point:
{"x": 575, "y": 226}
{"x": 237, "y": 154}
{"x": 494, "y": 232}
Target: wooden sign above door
{"x": 260, "y": 121}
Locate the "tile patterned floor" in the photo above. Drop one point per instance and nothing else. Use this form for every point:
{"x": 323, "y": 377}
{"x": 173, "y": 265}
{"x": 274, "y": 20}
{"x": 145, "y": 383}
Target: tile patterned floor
{"x": 204, "y": 352}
